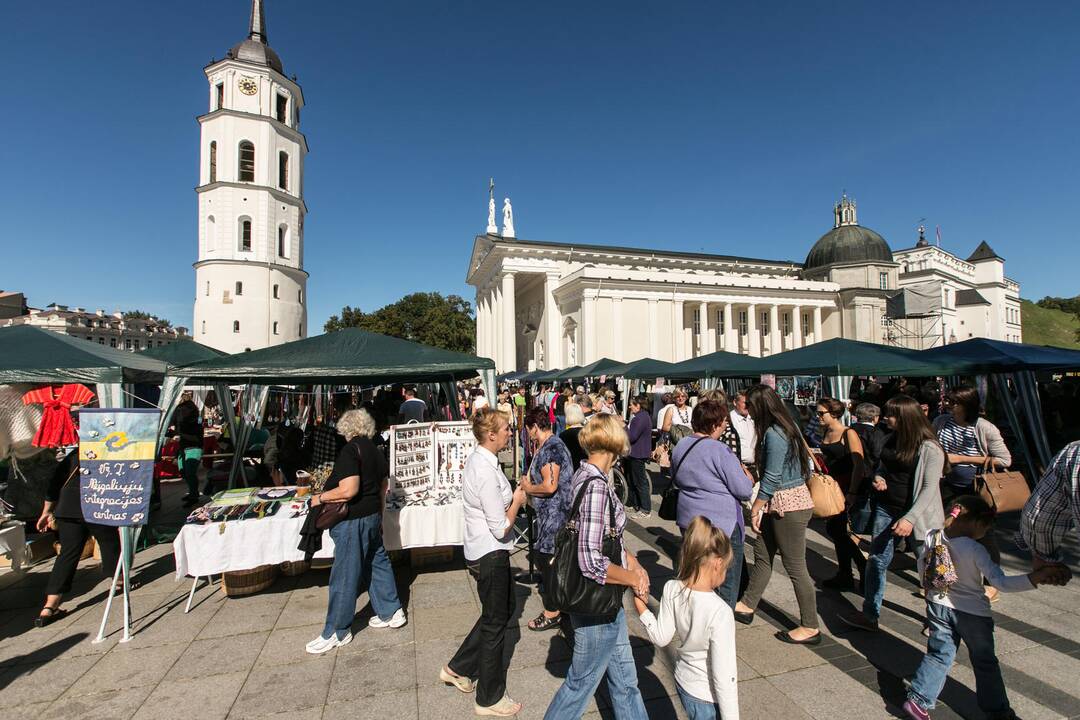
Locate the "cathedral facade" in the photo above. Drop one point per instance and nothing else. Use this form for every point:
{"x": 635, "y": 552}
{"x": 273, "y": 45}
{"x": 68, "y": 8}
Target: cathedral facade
{"x": 250, "y": 283}
{"x": 544, "y": 305}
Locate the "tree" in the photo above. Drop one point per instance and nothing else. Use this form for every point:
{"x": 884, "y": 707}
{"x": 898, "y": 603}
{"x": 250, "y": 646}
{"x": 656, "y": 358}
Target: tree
{"x": 143, "y": 315}
{"x": 427, "y": 318}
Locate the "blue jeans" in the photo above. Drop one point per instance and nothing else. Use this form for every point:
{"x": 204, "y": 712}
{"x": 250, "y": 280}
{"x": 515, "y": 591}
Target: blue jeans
{"x": 947, "y": 628}
{"x": 697, "y": 709}
{"x": 599, "y": 645}
{"x": 729, "y": 589}
{"x": 882, "y": 548}
{"x": 359, "y": 559}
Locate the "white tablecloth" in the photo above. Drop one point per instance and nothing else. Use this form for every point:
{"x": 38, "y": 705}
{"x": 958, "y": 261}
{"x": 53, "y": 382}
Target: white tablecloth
{"x": 419, "y": 526}
{"x": 202, "y": 550}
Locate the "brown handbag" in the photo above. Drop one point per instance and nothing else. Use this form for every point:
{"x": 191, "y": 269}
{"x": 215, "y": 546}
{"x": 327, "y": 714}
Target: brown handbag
{"x": 330, "y": 514}
{"x": 1004, "y": 490}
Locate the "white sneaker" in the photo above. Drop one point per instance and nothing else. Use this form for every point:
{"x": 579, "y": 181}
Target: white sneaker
{"x": 396, "y": 620}
{"x": 320, "y": 645}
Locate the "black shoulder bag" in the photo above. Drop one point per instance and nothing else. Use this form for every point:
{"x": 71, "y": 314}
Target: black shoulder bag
{"x": 570, "y": 590}
{"x": 669, "y": 501}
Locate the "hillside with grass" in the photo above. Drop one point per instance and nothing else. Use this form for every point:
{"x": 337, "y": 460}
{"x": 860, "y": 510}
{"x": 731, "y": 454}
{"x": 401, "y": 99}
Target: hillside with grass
{"x": 1049, "y": 326}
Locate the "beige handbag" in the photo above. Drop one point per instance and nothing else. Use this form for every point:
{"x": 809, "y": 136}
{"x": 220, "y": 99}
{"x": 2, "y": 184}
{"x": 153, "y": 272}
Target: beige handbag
{"x": 826, "y": 492}
{"x": 1004, "y": 490}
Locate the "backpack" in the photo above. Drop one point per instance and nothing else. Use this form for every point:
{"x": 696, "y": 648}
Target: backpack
{"x": 940, "y": 573}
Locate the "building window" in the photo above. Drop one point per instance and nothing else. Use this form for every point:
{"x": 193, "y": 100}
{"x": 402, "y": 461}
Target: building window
{"x": 112, "y": 342}
{"x": 281, "y": 241}
{"x": 300, "y": 296}
{"x": 236, "y": 326}
{"x": 203, "y": 327}
{"x": 247, "y": 162}
{"x": 282, "y": 108}
{"x": 275, "y": 292}
{"x": 207, "y": 288}
{"x": 283, "y": 170}
{"x": 219, "y": 96}
{"x": 720, "y": 323}
{"x": 275, "y": 327}
{"x": 946, "y": 297}
{"x": 786, "y": 323}
{"x": 697, "y": 322}
{"x": 213, "y": 161}
{"x": 743, "y": 328}
{"x": 239, "y": 288}
{"x": 245, "y": 235}
{"x": 101, "y": 341}
{"x": 883, "y": 280}
{"x": 806, "y": 325}
{"x": 764, "y": 323}
{"x": 300, "y": 330}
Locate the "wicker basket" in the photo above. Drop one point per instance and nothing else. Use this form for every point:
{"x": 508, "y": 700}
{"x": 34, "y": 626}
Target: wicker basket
{"x": 88, "y": 548}
{"x": 246, "y": 582}
{"x": 292, "y": 568}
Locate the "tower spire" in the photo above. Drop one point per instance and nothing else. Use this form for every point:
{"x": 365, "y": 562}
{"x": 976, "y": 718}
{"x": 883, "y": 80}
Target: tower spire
{"x": 257, "y": 31}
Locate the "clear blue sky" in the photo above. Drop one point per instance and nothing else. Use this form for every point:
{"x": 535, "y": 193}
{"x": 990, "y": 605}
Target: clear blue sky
{"x": 723, "y": 127}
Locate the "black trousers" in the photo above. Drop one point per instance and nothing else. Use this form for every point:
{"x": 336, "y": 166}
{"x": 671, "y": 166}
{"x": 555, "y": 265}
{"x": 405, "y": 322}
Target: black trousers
{"x": 481, "y": 653}
{"x": 638, "y": 479}
{"x": 544, "y": 565}
{"x": 73, "y": 534}
{"x": 847, "y": 552}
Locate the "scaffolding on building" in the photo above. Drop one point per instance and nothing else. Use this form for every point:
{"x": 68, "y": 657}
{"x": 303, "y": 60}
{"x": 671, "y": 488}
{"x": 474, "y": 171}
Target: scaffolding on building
{"x": 913, "y": 317}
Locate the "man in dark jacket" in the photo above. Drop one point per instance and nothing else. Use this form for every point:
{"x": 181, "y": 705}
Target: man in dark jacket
{"x": 639, "y": 432}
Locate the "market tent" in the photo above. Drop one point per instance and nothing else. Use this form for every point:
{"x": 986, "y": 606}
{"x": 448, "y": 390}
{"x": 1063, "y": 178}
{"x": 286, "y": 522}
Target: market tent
{"x": 33, "y": 355}
{"x": 839, "y": 357}
{"x": 981, "y": 355}
{"x": 183, "y": 352}
{"x": 511, "y": 376}
{"x": 550, "y": 375}
{"x": 339, "y": 357}
{"x": 644, "y": 369}
{"x": 594, "y": 369}
{"x": 717, "y": 364}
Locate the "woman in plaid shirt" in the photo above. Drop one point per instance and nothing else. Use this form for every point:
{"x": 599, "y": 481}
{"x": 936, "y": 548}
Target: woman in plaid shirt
{"x": 601, "y": 644}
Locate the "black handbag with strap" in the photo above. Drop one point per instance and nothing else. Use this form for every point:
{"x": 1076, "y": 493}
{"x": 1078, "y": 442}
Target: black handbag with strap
{"x": 570, "y": 590}
{"x": 669, "y": 501}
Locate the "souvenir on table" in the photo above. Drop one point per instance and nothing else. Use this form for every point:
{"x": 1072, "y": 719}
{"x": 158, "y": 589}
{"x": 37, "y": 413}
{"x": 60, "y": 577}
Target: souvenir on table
{"x": 57, "y": 428}
{"x": 276, "y": 493}
{"x": 236, "y": 496}
{"x": 427, "y": 462}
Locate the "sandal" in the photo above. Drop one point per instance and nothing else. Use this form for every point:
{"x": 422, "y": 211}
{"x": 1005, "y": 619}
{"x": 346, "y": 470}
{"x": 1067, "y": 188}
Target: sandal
{"x": 504, "y": 708}
{"x": 542, "y": 622}
{"x": 464, "y": 684}
{"x": 55, "y": 613}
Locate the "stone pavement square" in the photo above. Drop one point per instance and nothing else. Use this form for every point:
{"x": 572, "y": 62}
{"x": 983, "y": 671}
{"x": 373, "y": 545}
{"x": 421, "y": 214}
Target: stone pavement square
{"x": 244, "y": 657}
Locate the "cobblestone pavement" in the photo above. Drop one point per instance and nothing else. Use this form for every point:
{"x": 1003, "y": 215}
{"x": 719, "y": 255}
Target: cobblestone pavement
{"x": 244, "y": 657}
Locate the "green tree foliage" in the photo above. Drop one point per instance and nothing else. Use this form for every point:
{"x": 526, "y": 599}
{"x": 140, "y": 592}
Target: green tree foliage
{"x": 427, "y": 318}
{"x": 1069, "y": 305}
{"x": 143, "y": 315}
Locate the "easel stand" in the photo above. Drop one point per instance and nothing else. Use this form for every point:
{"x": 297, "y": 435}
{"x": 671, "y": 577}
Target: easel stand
{"x": 128, "y": 537}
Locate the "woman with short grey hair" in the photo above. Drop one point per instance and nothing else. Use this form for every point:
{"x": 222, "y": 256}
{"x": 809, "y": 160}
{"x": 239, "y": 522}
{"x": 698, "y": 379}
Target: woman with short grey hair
{"x": 359, "y": 479}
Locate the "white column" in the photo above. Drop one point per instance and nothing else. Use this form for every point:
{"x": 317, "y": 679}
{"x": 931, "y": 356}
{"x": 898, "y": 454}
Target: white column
{"x": 796, "y": 327}
{"x": 703, "y": 324}
{"x": 752, "y": 333}
{"x": 587, "y": 351}
{"x": 774, "y": 330}
{"x": 710, "y": 335}
{"x": 817, "y": 324}
{"x": 678, "y": 318}
{"x": 509, "y": 321}
{"x": 496, "y": 325}
{"x": 654, "y": 328}
{"x": 616, "y": 330}
{"x": 731, "y": 333}
{"x": 481, "y": 323}
{"x": 553, "y": 346}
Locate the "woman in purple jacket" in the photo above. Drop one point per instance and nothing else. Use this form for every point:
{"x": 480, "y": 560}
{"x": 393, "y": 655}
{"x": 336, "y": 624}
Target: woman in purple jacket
{"x": 640, "y": 433}
{"x": 713, "y": 482}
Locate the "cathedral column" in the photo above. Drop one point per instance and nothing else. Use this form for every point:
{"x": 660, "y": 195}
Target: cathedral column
{"x": 588, "y": 329}
{"x": 509, "y": 321}
{"x": 552, "y": 321}
{"x": 654, "y": 328}
{"x": 796, "y": 327}
{"x": 703, "y": 325}
{"x": 481, "y": 324}
{"x": 775, "y": 344}
{"x": 495, "y": 298}
{"x": 817, "y": 324}
{"x": 678, "y": 318}
{"x": 731, "y": 333}
{"x": 752, "y": 333}
{"x": 616, "y": 329}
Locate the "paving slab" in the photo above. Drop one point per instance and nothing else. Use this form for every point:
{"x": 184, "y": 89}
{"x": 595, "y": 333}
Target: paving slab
{"x": 208, "y": 698}
{"x": 765, "y": 655}
{"x": 396, "y": 705}
{"x": 109, "y": 705}
{"x": 130, "y": 668}
{"x": 828, "y": 693}
{"x": 369, "y": 673}
{"x": 203, "y": 657}
{"x": 284, "y": 689}
{"x": 26, "y": 684}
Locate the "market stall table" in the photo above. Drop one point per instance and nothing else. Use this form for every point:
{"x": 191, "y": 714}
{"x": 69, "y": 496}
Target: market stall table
{"x": 13, "y": 540}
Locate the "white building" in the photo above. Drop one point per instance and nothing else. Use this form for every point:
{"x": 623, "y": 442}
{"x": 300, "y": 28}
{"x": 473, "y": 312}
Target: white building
{"x": 109, "y": 329}
{"x": 250, "y": 283}
{"x": 542, "y": 305}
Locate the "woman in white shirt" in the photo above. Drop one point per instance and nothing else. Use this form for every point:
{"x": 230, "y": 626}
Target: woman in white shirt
{"x": 491, "y": 508}
{"x": 706, "y": 676}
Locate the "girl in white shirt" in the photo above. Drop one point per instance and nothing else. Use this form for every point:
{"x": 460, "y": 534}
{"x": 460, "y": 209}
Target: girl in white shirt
{"x": 705, "y": 674}
{"x": 959, "y": 610}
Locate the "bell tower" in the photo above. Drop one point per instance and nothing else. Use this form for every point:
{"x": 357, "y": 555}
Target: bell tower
{"x": 250, "y": 283}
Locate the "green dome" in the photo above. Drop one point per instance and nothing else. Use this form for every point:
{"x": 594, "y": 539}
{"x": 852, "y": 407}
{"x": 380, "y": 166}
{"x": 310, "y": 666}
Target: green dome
{"x": 848, "y": 244}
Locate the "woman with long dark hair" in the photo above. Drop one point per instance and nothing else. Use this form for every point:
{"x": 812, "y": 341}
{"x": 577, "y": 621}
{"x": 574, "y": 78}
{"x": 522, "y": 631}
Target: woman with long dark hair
{"x": 905, "y": 502}
{"x": 844, "y": 458}
{"x": 780, "y": 513}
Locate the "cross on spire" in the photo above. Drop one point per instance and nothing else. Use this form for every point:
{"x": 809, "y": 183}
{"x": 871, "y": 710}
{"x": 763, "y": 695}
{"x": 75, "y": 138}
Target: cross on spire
{"x": 257, "y": 30}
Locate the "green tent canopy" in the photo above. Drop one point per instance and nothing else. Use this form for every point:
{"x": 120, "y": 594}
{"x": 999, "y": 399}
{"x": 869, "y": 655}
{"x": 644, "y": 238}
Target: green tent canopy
{"x": 717, "y": 364}
{"x": 644, "y": 369}
{"x": 183, "y": 352}
{"x": 338, "y": 357}
{"x": 551, "y": 375}
{"x": 982, "y": 355}
{"x": 33, "y": 355}
{"x": 594, "y": 369}
{"x": 838, "y": 357}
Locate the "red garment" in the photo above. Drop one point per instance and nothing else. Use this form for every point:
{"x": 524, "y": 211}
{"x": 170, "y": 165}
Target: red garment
{"x": 57, "y": 428}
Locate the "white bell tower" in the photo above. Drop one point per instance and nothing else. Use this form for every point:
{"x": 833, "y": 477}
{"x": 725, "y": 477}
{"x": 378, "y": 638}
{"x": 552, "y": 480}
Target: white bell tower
{"x": 250, "y": 284}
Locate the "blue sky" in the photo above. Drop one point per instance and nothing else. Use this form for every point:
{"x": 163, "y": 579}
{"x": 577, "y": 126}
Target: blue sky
{"x": 717, "y": 127}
